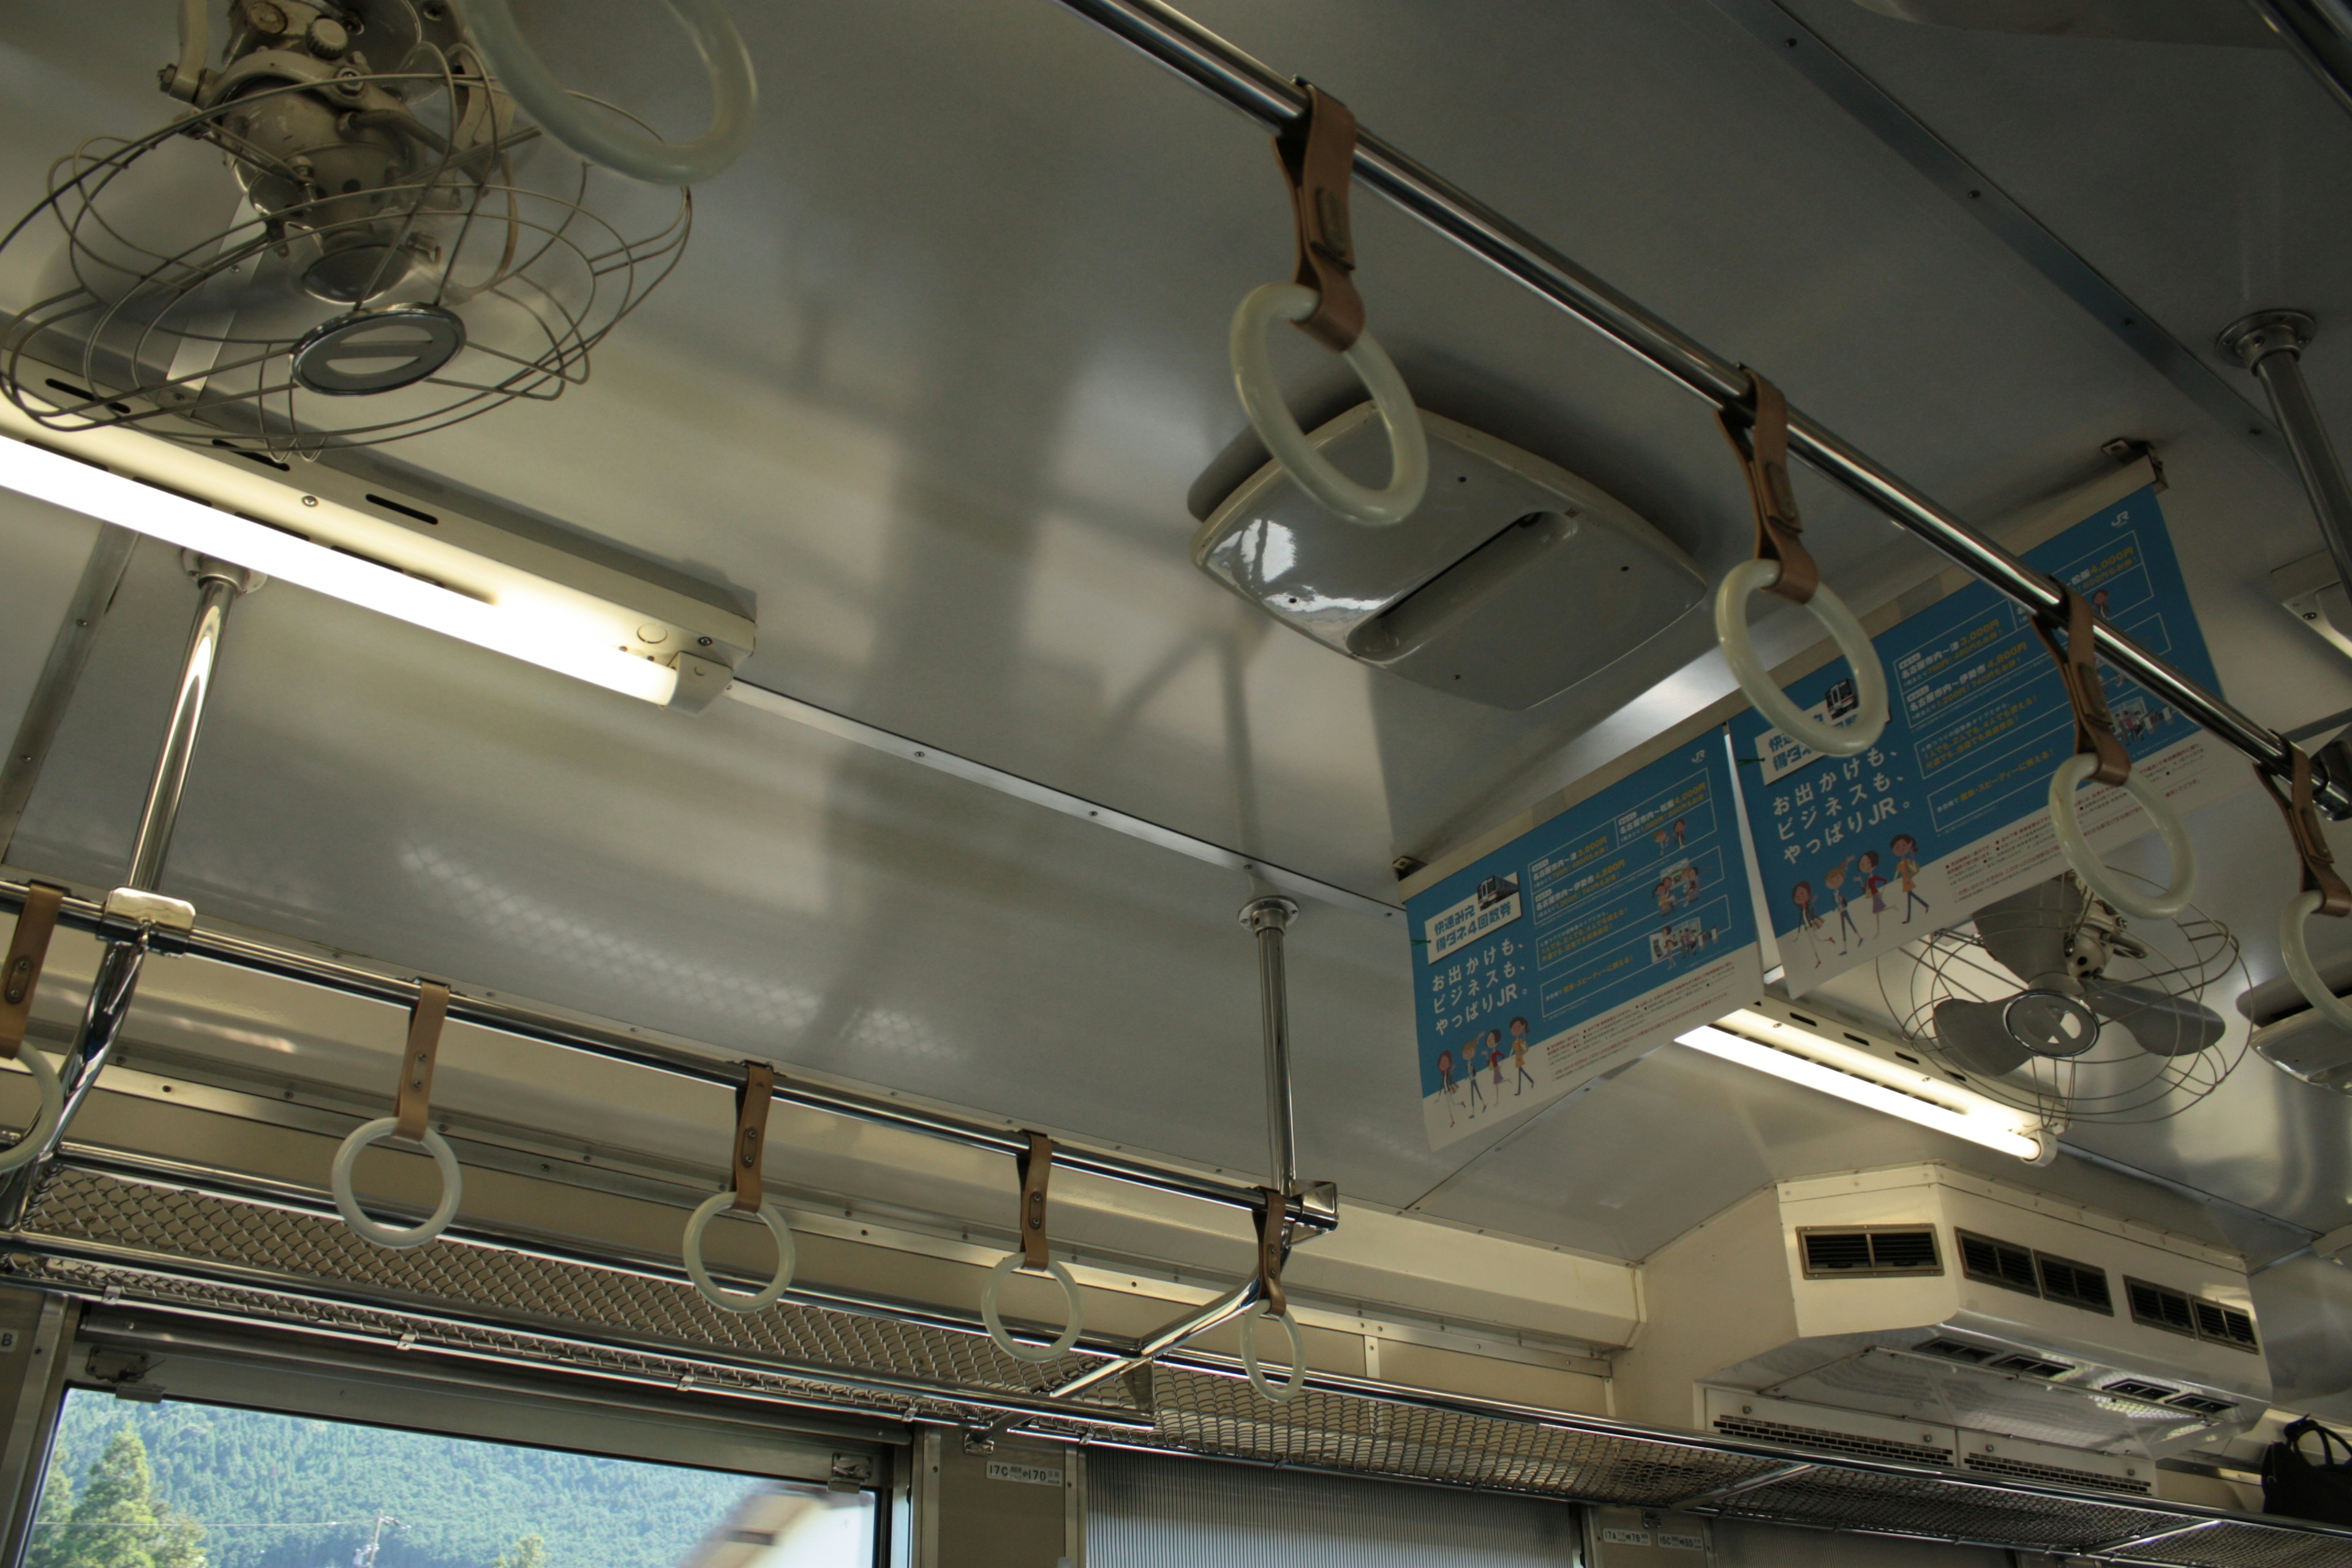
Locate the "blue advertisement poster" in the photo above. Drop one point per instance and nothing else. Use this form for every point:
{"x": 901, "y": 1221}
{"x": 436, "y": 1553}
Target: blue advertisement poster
{"x": 1951, "y": 809}
{"x": 1590, "y": 939}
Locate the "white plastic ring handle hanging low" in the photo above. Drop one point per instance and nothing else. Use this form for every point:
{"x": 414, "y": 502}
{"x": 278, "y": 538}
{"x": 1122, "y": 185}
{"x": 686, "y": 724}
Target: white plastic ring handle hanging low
{"x": 992, "y": 1314}
{"x": 718, "y": 1295}
{"x": 2323, "y": 887}
{"x": 1287, "y": 1389}
{"x": 2098, "y": 752}
{"x": 1758, "y": 429}
{"x": 1756, "y": 681}
{"x": 601, "y": 138}
{"x": 1270, "y": 417}
{"x": 2159, "y": 905}
{"x": 412, "y": 1107}
{"x": 399, "y": 1238}
{"x": 746, "y": 1156}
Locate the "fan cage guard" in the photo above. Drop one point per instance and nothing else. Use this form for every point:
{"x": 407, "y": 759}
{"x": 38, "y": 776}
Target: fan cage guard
{"x": 209, "y": 327}
{"x": 2114, "y": 1081}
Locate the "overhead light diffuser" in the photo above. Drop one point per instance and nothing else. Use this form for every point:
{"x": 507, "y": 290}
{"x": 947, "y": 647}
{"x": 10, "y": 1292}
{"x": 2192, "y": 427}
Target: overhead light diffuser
{"x": 529, "y": 595}
{"x": 1859, "y": 1074}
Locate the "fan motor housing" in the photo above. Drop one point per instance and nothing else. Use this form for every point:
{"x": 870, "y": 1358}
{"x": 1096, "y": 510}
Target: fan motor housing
{"x": 1513, "y": 580}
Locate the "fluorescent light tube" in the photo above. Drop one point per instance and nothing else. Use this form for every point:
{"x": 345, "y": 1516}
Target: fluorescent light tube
{"x": 1862, "y": 1079}
{"x": 540, "y": 634}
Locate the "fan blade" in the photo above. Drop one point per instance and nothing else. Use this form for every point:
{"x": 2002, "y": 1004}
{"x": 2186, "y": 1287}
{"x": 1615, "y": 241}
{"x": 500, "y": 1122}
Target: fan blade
{"x": 2027, "y": 932}
{"x": 2163, "y": 1024}
{"x": 1972, "y": 1035}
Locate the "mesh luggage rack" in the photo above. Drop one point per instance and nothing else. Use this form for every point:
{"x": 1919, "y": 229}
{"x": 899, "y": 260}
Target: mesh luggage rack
{"x": 197, "y": 1251}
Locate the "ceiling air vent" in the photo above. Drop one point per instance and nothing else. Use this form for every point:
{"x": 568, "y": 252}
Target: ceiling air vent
{"x": 1953, "y": 1350}
{"x": 1870, "y": 1251}
{"x": 2136, "y": 1389}
{"x": 2076, "y": 1284}
{"x": 2031, "y": 1366}
{"x": 2159, "y": 1307}
{"x": 2202, "y": 1404}
{"x": 2224, "y": 1325}
{"x": 2000, "y": 1263}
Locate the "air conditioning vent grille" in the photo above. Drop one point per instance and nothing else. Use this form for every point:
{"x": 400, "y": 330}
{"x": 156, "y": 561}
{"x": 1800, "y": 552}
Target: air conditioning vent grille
{"x": 2134, "y": 1388}
{"x": 2076, "y": 1284}
{"x": 2031, "y": 1366}
{"x": 2057, "y": 1475}
{"x": 1850, "y": 1252}
{"x": 1953, "y": 1350}
{"x": 2161, "y": 1307}
{"x": 1831, "y": 1442}
{"x": 2000, "y": 1263}
{"x": 2202, "y": 1404}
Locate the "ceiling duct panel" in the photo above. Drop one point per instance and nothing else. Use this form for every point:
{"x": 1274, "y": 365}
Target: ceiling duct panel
{"x": 1513, "y": 580}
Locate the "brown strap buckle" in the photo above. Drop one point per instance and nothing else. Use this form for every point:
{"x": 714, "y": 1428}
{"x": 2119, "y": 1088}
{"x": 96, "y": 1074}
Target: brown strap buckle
{"x": 1318, "y": 156}
{"x": 2302, "y": 812}
{"x": 20, "y": 973}
{"x": 414, "y": 1100}
{"x": 1758, "y": 428}
{"x": 2078, "y": 667}
{"x": 1036, "y": 1168}
{"x": 752, "y": 1104}
{"x": 1273, "y": 1230}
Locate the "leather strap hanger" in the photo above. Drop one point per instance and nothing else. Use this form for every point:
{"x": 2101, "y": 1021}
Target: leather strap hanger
{"x": 414, "y": 1103}
{"x": 2078, "y": 667}
{"x": 20, "y": 973}
{"x": 1758, "y": 428}
{"x": 1273, "y": 1223}
{"x": 1036, "y": 1168}
{"x": 2301, "y": 813}
{"x": 751, "y": 1105}
{"x": 1319, "y": 157}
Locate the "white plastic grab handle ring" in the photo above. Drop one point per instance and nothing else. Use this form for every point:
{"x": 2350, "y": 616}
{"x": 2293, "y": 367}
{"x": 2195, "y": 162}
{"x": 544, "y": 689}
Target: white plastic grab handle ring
{"x": 453, "y": 1186}
{"x": 1284, "y": 1393}
{"x": 2297, "y": 950}
{"x": 1740, "y": 652}
{"x": 602, "y": 138}
{"x": 1006, "y": 1343}
{"x": 2148, "y": 906}
{"x": 718, "y": 1295}
{"x": 1270, "y": 416}
{"x": 53, "y": 1105}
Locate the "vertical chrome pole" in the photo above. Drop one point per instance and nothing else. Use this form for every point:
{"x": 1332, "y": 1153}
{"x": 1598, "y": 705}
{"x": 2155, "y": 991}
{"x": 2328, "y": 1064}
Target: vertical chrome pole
{"x": 1267, "y": 918}
{"x": 2269, "y": 343}
{"x": 117, "y": 981}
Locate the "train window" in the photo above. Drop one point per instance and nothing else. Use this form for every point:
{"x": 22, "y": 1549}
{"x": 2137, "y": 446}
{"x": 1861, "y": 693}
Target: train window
{"x": 173, "y": 1484}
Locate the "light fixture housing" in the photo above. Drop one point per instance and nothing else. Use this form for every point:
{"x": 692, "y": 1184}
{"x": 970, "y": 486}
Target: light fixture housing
{"x": 533, "y": 595}
{"x": 1835, "y": 1059}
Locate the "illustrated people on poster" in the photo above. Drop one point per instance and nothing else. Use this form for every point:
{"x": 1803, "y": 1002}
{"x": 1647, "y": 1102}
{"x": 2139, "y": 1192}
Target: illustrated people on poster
{"x": 1665, "y": 840}
{"x": 1681, "y": 832}
{"x": 1525, "y": 1081}
{"x": 1664, "y": 893}
{"x": 2099, "y": 600}
{"x": 1835, "y": 880}
{"x": 1445, "y": 1074}
{"x": 1689, "y": 878}
{"x": 1802, "y": 895}
{"x": 1905, "y": 850}
{"x": 1470, "y": 1076}
{"x": 1866, "y": 865}
{"x": 1494, "y": 1061}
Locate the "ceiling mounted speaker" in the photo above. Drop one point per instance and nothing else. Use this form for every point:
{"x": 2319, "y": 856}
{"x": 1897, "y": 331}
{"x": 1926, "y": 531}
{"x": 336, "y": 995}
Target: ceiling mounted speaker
{"x": 1513, "y": 580}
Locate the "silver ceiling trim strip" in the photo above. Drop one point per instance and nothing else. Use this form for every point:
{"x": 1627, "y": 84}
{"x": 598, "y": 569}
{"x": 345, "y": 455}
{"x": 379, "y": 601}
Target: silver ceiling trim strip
{"x": 1094, "y": 812}
{"x": 1193, "y": 52}
{"x": 1878, "y": 111}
